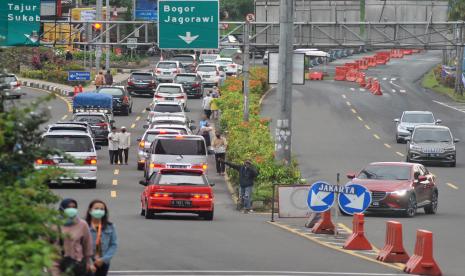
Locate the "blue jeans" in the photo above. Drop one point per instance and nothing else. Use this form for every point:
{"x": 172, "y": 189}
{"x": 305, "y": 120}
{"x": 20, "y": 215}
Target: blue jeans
{"x": 246, "y": 195}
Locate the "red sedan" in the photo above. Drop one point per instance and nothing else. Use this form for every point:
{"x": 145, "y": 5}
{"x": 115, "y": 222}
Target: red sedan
{"x": 399, "y": 187}
{"x": 178, "y": 191}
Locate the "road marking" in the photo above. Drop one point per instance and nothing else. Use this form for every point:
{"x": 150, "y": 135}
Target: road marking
{"x": 347, "y": 229}
{"x": 402, "y": 91}
{"x": 64, "y": 117}
{"x": 348, "y": 103}
{"x": 116, "y": 172}
{"x": 68, "y": 103}
{"x": 362, "y": 89}
{"x": 353, "y": 111}
{"x": 384, "y": 79}
{"x": 376, "y": 136}
{"x": 114, "y": 182}
{"x": 449, "y": 106}
{"x": 367, "y": 127}
{"x": 353, "y": 89}
{"x": 133, "y": 125}
{"x": 387, "y": 146}
{"x": 243, "y": 272}
{"x": 360, "y": 118}
{"x": 393, "y": 91}
{"x": 344, "y": 96}
{"x": 393, "y": 79}
{"x": 400, "y": 154}
{"x": 113, "y": 194}
{"x": 137, "y": 118}
{"x": 452, "y": 186}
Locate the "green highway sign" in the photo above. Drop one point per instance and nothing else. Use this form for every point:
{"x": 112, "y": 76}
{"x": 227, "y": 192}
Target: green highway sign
{"x": 191, "y": 24}
{"x": 19, "y": 22}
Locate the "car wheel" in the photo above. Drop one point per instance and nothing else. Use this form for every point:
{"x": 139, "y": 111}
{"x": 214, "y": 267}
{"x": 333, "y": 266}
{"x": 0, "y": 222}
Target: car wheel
{"x": 148, "y": 214}
{"x": 398, "y": 140}
{"x": 92, "y": 184}
{"x": 411, "y": 210}
{"x": 207, "y": 215}
{"x": 433, "y": 207}
{"x": 142, "y": 211}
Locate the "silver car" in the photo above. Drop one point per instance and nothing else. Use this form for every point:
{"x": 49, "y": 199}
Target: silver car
{"x": 165, "y": 108}
{"x": 432, "y": 144}
{"x": 410, "y": 119}
{"x": 176, "y": 151}
{"x": 167, "y": 70}
{"x": 80, "y": 146}
{"x": 14, "y": 86}
{"x": 171, "y": 92}
{"x": 172, "y": 119}
{"x": 211, "y": 74}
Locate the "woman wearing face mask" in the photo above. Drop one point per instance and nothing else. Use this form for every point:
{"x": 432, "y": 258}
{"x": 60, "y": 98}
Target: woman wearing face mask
{"x": 75, "y": 243}
{"x": 219, "y": 147}
{"x": 103, "y": 236}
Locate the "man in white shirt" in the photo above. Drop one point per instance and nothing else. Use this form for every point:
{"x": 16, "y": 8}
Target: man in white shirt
{"x": 113, "y": 145}
{"x": 206, "y": 105}
{"x": 124, "y": 143}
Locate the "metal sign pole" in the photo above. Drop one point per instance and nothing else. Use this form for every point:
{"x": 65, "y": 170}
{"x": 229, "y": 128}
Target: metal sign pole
{"x": 245, "y": 70}
{"x": 336, "y": 204}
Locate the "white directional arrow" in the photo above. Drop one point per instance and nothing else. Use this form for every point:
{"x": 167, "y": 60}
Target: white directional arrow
{"x": 188, "y": 38}
{"x": 317, "y": 200}
{"x": 356, "y": 202}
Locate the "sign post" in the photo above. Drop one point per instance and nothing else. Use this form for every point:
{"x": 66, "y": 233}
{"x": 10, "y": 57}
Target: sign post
{"x": 186, "y": 24}
{"x": 19, "y": 22}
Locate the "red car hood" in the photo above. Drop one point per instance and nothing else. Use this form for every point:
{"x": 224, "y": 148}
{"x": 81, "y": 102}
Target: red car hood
{"x": 181, "y": 189}
{"x": 382, "y": 185}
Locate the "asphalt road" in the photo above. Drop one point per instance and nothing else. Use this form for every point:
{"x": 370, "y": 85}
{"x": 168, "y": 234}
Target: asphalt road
{"x": 231, "y": 244}
{"x": 338, "y": 129}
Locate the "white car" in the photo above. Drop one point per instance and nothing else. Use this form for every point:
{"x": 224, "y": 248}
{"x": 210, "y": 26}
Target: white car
{"x": 211, "y": 74}
{"x": 172, "y": 119}
{"x": 171, "y": 92}
{"x": 231, "y": 68}
{"x": 167, "y": 70}
{"x": 164, "y": 108}
{"x": 14, "y": 86}
{"x": 208, "y": 58}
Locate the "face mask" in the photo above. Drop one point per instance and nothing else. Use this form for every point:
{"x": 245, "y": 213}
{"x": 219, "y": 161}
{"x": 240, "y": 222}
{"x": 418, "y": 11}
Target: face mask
{"x": 71, "y": 212}
{"x": 97, "y": 213}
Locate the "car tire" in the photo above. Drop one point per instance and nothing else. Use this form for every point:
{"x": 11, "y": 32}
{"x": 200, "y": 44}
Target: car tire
{"x": 92, "y": 184}
{"x": 411, "y": 210}
{"x": 398, "y": 140}
{"x": 432, "y": 208}
{"x": 142, "y": 211}
{"x": 207, "y": 215}
{"x": 148, "y": 214}
{"x": 453, "y": 164}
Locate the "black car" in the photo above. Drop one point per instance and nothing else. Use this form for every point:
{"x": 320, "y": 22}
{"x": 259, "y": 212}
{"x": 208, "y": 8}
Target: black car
{"x": 188, "y": 62}
{"x": 100, "y": 123}
{"x": 192, "y": 84}
{"x": 122, "y": 101}
{"x": 143, "y": 83}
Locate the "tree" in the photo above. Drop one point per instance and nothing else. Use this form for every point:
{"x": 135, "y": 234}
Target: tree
{"x": 236, "y": 9}
{"x": 27, "y": 211}
{"x": 456, "y": 10}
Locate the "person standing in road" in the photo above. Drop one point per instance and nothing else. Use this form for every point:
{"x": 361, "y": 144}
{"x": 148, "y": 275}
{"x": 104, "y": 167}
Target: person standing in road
{"x": 99, "y": 80}
{"x": 108, "y": 78}
{"x": 206, "y": 105}
{"x": 103, "y": 234}
{"x": 124, "y": 143}
{"x": 113, "y": 145}
{"x": 219, "y": 147}
{"x": 75, "y": 242}
{"x": 247, "y": 175}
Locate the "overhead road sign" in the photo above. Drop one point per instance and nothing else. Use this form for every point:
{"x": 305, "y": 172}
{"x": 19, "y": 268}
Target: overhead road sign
{"x": 321, "y": 197}
{"x": 78, "y": 76}
{"x": 354, "y": 199}
{"x": 188, "y": 24}
{"x": 146, "y": 10}
{"x": 19, "y": 22}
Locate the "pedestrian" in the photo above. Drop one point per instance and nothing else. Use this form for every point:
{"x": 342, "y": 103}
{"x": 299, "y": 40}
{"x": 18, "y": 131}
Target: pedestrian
{"x": 214, "y": 107}
{"x": 204, "y": 130}
{"x": 75, "y": 242}
{"x": 113, "y": 145}
{"x": 124, "y": 143}
{"x": 206, "y": 105}
{"x": 103, "y": 234}
{"x": 108, "y": 78}
{"x": 215, "y": 92}
{"x": 247, "y": 175}
{"x": 68, "y": 56}
{"x": 219, "y": 147}
{"x": 99, "y": 80}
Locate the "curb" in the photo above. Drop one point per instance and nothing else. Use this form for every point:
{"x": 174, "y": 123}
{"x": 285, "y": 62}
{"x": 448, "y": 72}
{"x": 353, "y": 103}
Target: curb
{"x": 55, "y": 89}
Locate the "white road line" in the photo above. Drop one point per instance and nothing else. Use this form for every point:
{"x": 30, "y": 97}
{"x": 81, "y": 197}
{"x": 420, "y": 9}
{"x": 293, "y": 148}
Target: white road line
{"x": 348, "y": 103}
{"x": 353, "y": 89}
{"x": 449, "y": 106}
{"x": 360, "y": 118}
{"x": 376, "y": 136}
{"x": 353, "y": 111}
{"x": 344, "y": 96}
{"x": 113, "y": 194}
{"x": 133, "y": 125}
{"x": 362, "y": 89}
{"x": 114, "y": 182}
{"x": 367, "y": 127}
{"x": 393, "y": 79}
{"x": 384, "y": 79}
{"x": 452, "y": 186}
{"x": 402, "y": 91}
{"x": 391, "y": 82}
{"x": 64, "y": 117}
{"x": 387, "y": 146}
{"x": 393, "y": 91}
{"x": 400, "y": 154}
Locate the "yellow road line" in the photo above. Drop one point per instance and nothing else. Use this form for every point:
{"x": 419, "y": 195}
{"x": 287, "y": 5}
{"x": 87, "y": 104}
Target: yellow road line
{"x": 344, "y": 96}
{"x": 387, "y": 146}
{"x": 367, "y": 127}
{"x": 64, "y": 117}
{"x": 400, "y": 154}
{"x": 376, "y": 136}
{"x": 343, "y": 226}
{"x": 68, "y": 103}
{"x": 137, "y": 118}
{"x": 353, "y": 111}
{"x": 113, "y": 194}
{"x": 114, "y": 182}
{"x": 353, "y": 253}
{"x": 452, "y": 186}
{"x": 348, "y": 103}
{"x": 116, "y": 172}
{"x": 133, "y": 125}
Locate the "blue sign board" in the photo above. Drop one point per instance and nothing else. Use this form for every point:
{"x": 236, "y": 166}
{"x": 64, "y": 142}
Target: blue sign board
{"x": 355, "y": 199}
{"x": 146, "y": 10}
{"x": 321, "y": 197}
{"x": 78, "y": 76}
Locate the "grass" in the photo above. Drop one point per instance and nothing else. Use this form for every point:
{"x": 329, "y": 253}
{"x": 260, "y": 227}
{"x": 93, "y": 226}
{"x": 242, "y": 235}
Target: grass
{"x": 429, "y": 81}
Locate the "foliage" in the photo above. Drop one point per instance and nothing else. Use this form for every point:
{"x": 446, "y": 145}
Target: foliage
{"x": 430, "y": 81}
{"x": 236, "y": 9}
{"x": 26, "y": 203}
{"x": 55, "y": 71}
{"x": 456, "y": 10}
{"x": 252, "y": 140}
{"x": 113, "y": 57}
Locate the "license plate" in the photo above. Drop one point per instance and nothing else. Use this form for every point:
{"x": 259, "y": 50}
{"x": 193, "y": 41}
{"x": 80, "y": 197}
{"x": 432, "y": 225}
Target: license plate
{"x": 169, "y": 99}
{"x": 178, "y": 166}
{"x": 166, "y": 73}
{"x": 181, "y": 203}
{"x": 376, "y": 204}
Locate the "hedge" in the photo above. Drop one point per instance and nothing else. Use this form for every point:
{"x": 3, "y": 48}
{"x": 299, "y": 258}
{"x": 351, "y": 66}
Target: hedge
{"x": 252, "y": 140}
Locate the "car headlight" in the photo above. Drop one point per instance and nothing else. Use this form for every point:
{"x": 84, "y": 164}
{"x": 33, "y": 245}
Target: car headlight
{"x": 449, "y": 149}
{"x": 400, "y": 192}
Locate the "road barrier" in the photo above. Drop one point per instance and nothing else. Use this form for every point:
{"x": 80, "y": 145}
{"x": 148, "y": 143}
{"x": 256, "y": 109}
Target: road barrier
{"x": 381, "y": 58}
{"x": 351, "y": 75}
{"x": 361, "y": 79}
{"x": 358, "y": 241}
{"x": 363, "y": 64}
{"x": 372, "y": 62}
{"x": 407, "y": 52}
{"x": 341, "y": 72}
{"x": 376, "y": 88}
{"x": 315, "y": 76}
{"x": 351, "y": 65}
{"x": 393, "y": 250}
{"x": 422, "y": 261}
{"x": 369, "y": 83}
{"x": 324, "y": 225}
{"x": 397, "y": 53}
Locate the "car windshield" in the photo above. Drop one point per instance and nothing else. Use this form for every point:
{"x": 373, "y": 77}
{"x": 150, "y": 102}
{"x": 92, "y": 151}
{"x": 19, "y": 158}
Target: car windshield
{"x": 92, "y": 119}
{"x": 187, "y": 59}
{"x": 111, "y": 91}
{"x": 169, "y": 89}
{"x": 57, "y": 128}
{"x": 206, "y": 68}
{"x": 432, "y": 136}
{"x": 228, "y": 52}
{"x": 150, "y": 137}
{"x": 180, "y": 147}
{"x": 68, "y": 143}
{"x": 418, "y": 118}
{"x": 166, "y": 65}
{"x": 9, "y": 79}
{"x": 181, "y": 179}
{"x": 223, "y": 62}
{"x": 141, "y": 76}
{"x": 182, "y": 78}
{"x": 167, "y": 108}
{"x": 385, "y": 172}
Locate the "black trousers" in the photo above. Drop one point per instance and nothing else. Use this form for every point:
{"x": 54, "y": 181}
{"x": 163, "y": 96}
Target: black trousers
{"x": 102, "y": 271}
{"x": 219, "y": 164}
{"x": 126, "y": 155}
{"x": 208, "y": 112}
{"x": 113, "y": 156}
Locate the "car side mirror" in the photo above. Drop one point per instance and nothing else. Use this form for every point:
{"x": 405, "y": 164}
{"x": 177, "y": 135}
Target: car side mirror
{"x": 98, "y": 147}
{"x": 350, "y": 175}
{"x": 396, "y": 120}
{"x": 456, "y": 140}
{"x": 143, "y": 182}
{"x": 212, "y": 184}
{"x": 147, "y": 108}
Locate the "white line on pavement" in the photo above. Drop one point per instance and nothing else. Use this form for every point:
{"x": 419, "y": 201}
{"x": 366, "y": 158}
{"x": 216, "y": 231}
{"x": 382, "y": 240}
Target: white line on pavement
{"x": 384, "y": 78}
{"x": 353, "y": 89}
{"x": 393, "y": 91}
{"x": 387, "y": 146}
{"x": 449, "y": 106}
{"x": 402, "y": 91}
{"x": 452, "y": 186}
{"x": 64, "y": 117}
{"x": 344, "y": 96}
{"x": 400, "y": 153}
{"x": 362, "y": 89}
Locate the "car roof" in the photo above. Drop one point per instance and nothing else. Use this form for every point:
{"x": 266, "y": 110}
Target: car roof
{"x": 224, "y": 59}
{"x": 90, "y": 113}
{"x": 168, "y": 61}
{"x": 168, "y": 118}
{"x": 432, "y": 127}
{"x": 170, "y": 85}
{"x": 417, "y": 112}
{"x": 66, "y": 132}
{"x": 402, "y": 164}
{"x": 86, "y": 124}
{"x": 169, "y": 126}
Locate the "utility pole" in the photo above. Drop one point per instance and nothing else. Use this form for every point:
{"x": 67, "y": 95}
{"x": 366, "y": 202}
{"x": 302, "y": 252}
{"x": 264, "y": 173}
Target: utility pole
{"x": 458, "y": 68}
{"x": 286, "y": 51}
{"x": 98, "y": 48}
{"x": 245, "y": 71}
{"x": 107, "y": 35}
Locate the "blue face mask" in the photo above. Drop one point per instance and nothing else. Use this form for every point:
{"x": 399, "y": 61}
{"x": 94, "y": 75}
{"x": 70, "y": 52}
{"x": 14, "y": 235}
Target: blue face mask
{"x": 97, "y": 213}
{"x": 71, "y": 212}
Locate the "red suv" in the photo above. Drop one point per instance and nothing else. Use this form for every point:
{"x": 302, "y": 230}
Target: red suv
{"x": 399, "y": 187}
{"x": 178, "y": 191}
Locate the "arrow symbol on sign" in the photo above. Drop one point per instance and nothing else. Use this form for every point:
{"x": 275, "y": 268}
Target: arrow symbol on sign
{"x": 188, "y": 38}
{"x": 319, "y": 200}
{"x": 356, "y": 202}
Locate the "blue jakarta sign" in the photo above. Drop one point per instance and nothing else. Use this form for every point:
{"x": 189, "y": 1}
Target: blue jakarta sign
{"x": 321, "y": 197}
{"x": 355, "y": 199}
{"x": 78, "y": 76}
{"x": 146, "y": 10}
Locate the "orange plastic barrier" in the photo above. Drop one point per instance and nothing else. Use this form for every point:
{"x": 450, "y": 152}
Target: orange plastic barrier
{"x": 422, "y": 261}
{"x": 80, "y": 88}
{"x": 358, "y": 241}
{"x": 407, "y": 51}
{"x": 352, "y": 65}
{"x": 393, "y": 250}
{"x": 361, "y": 80}
{"x": 376, "y": 88}
{"x": 396, "y": 53}
{"x": 416, "y": 51}
{"x": 369, "y": 83}
{"x": 315, "y": 76}
{"x": 341, "y": 72}
{"x": 372, "y": 61}
{"x": 382, "y": 57}
{"x": 351, "y": 75}
{"x": 325, "y": 225}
